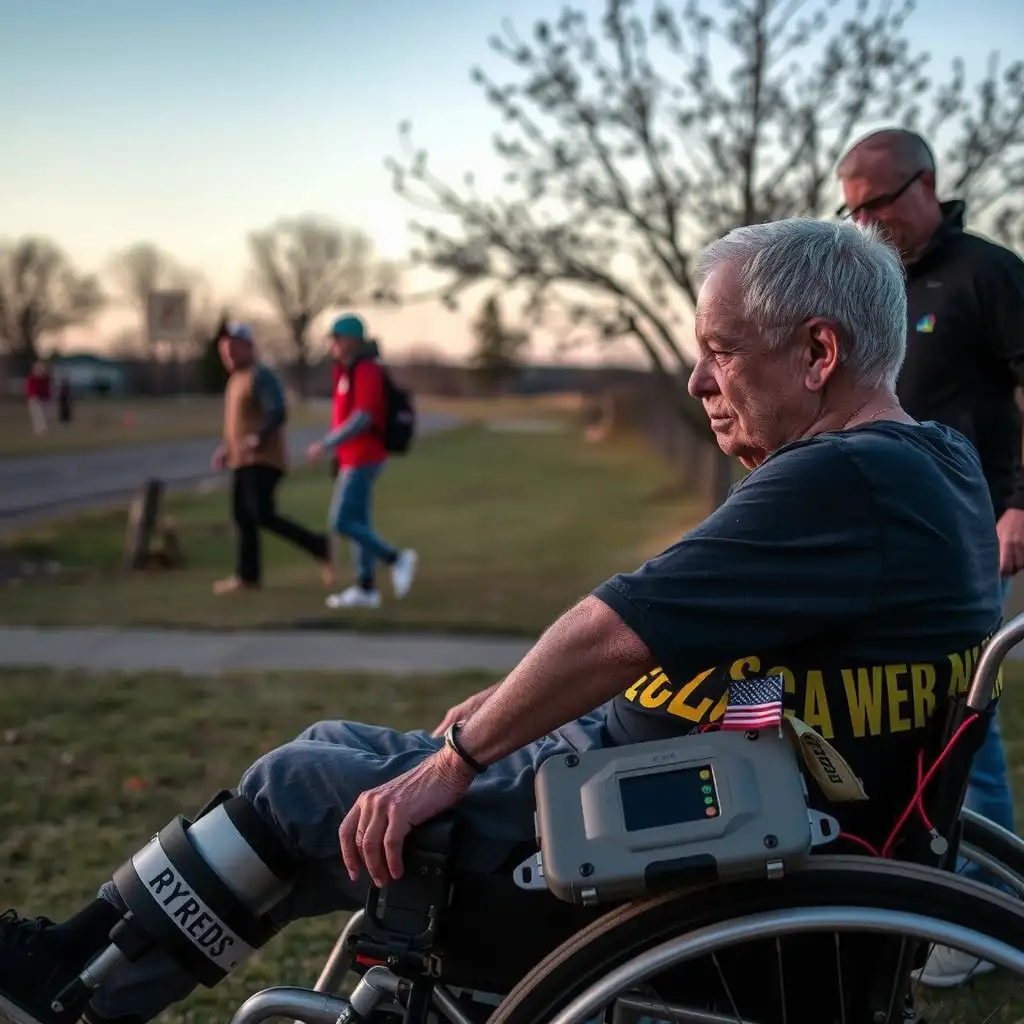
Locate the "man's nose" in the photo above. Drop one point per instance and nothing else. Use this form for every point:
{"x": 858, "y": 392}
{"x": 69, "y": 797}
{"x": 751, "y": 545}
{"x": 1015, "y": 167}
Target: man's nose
{"x": 702, "y": 380}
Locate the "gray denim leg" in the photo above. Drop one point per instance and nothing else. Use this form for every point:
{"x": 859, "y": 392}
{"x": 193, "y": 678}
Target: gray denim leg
{"x": 304, "y": 789}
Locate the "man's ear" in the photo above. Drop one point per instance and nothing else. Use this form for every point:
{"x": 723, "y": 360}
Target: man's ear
{"x": 822, "y": 352}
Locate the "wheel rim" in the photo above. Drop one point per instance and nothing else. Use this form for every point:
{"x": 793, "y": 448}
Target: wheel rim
{"x": 778, "y": 924}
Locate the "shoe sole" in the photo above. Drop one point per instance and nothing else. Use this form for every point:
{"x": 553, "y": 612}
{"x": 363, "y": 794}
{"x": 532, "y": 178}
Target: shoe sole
{"x": 12, "y": 1012}
{"x": 946, "y": 981}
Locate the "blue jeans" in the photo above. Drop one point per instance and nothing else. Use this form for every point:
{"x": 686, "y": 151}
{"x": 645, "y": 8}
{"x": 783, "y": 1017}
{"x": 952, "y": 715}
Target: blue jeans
{"x": 350, "y": 516}
{"x": 988, "y": 788}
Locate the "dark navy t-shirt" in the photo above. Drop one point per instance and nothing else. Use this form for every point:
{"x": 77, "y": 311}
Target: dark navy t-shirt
{"x": 861, "y": 565}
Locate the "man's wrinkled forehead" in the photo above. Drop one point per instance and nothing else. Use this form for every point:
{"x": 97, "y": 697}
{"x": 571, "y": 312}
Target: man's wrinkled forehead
{"x": 719, "y": 302}
{"x": 875, "y": 163}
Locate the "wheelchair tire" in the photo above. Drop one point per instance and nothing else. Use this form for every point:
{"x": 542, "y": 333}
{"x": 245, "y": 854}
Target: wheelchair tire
{"x": 1005, "y": 848}
{"x": 628, "y": 931}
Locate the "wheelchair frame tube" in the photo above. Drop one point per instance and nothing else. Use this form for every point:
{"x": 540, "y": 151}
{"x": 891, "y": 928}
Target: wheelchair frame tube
{"x": 991, "y": 660}
{"x": 308, "y": 1006}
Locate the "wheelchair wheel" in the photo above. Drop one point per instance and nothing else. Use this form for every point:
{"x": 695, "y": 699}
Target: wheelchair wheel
{"x": 993, "y": 849}
{"x": 687, "y": 938}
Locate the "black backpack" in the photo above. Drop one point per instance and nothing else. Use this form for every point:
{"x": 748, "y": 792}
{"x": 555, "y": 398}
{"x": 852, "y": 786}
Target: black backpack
{"x": 399, "y": 414}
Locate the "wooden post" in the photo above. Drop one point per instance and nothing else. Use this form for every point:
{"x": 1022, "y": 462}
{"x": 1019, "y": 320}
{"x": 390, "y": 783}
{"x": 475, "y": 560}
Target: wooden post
{"x": 143, "y": 517}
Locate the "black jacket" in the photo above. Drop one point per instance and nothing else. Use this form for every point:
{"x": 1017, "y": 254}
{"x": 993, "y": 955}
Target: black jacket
{"x": 965, "y": 348}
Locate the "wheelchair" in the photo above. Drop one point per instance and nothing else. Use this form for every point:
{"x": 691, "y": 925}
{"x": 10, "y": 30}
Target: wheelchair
{"x": 691, "y": 904}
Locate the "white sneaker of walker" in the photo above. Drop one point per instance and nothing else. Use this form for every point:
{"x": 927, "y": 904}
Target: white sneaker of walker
{"x": 354, "y": 597}
{"x": 403, "y": 572}
{"x": 950, "y": 968}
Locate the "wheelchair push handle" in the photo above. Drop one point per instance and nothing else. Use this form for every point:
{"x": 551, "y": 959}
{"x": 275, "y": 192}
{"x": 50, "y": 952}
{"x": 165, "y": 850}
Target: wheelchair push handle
{"x": 1003, "y": 641}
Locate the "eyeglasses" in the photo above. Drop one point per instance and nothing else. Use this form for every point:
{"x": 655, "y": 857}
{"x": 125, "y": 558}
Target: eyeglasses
{"x": 879, "y": 202}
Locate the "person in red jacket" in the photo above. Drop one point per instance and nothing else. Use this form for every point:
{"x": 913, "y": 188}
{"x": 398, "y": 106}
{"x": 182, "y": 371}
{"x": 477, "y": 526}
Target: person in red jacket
{"x": 355, "y": 438}
{"x": 37, "y": 395}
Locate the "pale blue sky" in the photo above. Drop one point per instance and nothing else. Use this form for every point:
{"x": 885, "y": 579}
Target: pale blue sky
{"x": 190, "y": 122}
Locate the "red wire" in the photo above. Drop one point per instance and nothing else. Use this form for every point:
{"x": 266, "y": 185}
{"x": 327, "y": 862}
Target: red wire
{"x": 857, "y": 841}
{"x": 916, "y": 801}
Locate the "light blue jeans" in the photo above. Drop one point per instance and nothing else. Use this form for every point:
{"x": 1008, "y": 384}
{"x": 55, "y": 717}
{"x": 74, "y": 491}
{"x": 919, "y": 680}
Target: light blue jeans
{"x": 350, "y": 516}
{"x": 988, "y": 788}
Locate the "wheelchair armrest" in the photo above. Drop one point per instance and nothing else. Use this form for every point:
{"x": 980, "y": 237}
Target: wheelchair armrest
{"x": 433, "y": 837}
{"x": 402, "y": 919}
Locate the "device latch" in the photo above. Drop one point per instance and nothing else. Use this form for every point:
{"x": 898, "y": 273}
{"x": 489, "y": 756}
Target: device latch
{"x": 824, "y": 828}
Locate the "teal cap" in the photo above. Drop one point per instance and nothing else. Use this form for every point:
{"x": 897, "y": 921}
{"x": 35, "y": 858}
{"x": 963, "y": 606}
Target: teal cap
{"x": 349, "y": 326}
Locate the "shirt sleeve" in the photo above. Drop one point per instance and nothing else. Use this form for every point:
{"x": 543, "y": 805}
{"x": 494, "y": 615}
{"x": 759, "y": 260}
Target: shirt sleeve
{"x": 1001, "y": 296}
{"x": 367, "y": 382}
{"x": 270, "y": 395}
{"x": 797, "y": 549}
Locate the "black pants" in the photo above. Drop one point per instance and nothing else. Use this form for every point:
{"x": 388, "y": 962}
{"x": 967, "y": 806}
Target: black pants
{"x": 252, "y": 504}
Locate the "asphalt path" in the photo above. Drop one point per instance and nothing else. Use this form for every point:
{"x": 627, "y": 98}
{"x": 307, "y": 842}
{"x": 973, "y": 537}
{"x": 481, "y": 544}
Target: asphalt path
{"x": 36, "y": 488}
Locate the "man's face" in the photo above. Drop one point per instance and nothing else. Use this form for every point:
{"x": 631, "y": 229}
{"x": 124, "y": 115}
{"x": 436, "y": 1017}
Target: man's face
{"x": 757, "y": 400}
{"x": 234, "y": 354}
{"x": 880, "y": 193}
{"x": 342, "y": 347}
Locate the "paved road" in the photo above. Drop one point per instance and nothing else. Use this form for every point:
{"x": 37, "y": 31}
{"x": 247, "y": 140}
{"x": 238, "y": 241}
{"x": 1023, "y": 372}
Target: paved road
{"x": 204, "y": 653}
{"x": 39, "y": 487}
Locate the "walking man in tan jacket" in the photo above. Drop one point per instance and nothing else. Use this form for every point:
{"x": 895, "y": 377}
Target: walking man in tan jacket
{"x": 253, "y": 448}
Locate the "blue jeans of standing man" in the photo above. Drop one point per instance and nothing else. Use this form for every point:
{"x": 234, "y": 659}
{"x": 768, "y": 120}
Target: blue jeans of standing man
{"x": 988, "y": 788}
{"x": 350, "y": 517}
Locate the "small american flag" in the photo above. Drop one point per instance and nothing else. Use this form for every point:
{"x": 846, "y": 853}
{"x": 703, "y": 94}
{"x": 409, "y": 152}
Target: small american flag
{"x": 754, "y": 703}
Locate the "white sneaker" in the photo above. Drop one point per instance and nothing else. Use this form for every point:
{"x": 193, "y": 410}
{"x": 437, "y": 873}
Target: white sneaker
{"x": 403, "y": 572}
{"x": 354, "y": 597}
{"x": 949, "y": 968}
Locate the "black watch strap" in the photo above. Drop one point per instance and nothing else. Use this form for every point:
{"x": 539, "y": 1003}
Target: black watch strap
{"x": 451, "y": 740}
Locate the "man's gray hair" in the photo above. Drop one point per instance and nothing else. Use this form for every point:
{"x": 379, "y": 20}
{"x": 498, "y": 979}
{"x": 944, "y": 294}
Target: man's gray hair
{"x": 791, "y": 270}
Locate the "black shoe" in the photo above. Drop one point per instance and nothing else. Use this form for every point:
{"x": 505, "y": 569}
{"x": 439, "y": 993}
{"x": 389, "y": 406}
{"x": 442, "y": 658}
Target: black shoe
{"x": 33, "y": 969}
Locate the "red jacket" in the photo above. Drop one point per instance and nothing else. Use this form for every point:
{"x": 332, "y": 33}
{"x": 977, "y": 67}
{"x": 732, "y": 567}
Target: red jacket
{"x": 360, "y": 389}
{"x": 37, "y": 385}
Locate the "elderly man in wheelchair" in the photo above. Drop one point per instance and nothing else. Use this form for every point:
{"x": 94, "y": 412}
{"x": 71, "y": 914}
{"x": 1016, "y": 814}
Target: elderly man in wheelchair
{"x": 789, "y": 677}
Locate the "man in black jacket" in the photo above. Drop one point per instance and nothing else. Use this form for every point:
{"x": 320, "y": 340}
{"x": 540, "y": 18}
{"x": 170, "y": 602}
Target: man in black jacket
{"x": 965, "y": 358}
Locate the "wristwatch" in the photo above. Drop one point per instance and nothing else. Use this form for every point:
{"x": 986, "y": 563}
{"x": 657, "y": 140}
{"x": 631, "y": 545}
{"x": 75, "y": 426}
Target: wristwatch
{"x": 452, "y": 742}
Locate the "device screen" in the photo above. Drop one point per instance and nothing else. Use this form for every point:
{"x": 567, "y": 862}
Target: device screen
{"x": 668, "y": 798}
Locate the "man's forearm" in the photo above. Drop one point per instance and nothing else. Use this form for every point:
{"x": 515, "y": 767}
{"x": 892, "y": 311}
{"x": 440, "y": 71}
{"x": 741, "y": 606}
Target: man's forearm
{"x": 582, "y": 660}
{"x": 355, "y": 425}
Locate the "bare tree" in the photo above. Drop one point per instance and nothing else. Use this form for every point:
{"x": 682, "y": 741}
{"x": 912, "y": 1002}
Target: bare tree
{"x": 305, "y": 266}
{"x": 628, "y": 148}
{"x": 143, "y": 268}
{"x": 40, "y": 291}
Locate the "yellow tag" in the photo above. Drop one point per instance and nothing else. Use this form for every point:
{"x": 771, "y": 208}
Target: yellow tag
{"x": 833, "y": 775}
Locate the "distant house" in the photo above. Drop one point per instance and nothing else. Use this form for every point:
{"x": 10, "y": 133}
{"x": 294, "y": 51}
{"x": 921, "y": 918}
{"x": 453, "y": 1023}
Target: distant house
{"x": 91, "y": 375}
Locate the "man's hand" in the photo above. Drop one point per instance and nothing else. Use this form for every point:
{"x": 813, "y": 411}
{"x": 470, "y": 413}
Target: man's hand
{"x": 372, "y": 833}
{"x": 314, "y": 451}
{"x": 1010, "y": 530}
{"x": 465, "y": 710}
{"x": 219, "y": 460}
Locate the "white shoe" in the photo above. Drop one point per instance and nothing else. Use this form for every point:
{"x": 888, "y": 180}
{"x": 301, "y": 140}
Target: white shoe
{"x": 949, "y": 968}
{"x": 354, "y": 597}
{"x": 403, "y": 572}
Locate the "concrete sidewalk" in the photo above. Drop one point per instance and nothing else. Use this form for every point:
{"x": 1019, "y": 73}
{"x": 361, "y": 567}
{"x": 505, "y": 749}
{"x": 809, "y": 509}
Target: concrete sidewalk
{"x": 202, "y": 653}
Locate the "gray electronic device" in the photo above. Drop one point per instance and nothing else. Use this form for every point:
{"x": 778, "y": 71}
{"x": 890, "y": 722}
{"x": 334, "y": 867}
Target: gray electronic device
{"x": 622, "y": 822}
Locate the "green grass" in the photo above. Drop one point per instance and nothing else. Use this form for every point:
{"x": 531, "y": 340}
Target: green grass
{"x": 112, "y": 422}
{"x": 511, "y": 529}
{"x": 91, "y": 766}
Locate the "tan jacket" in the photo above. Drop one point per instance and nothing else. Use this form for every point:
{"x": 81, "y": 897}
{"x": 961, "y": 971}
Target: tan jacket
{"x": 248, "y": 400}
